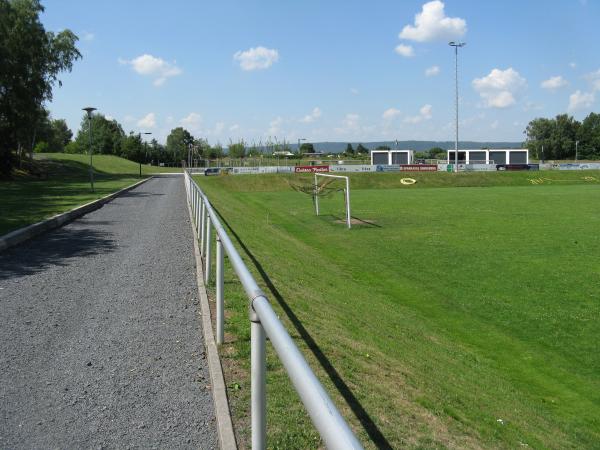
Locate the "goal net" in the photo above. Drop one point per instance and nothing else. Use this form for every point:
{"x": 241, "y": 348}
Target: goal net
{"x": 326, "y": 185}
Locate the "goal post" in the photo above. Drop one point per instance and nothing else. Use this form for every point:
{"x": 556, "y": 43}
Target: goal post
{"x": 346, "y": 194}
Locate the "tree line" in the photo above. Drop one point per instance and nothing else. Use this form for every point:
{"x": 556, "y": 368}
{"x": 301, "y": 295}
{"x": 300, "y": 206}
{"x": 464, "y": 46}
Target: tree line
{"x": 563, "y": 137}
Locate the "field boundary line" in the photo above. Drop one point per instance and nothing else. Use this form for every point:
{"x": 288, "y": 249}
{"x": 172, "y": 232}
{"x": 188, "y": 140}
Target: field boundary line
{"x": 23, "y": 234}
{"x": 219, "y": 392}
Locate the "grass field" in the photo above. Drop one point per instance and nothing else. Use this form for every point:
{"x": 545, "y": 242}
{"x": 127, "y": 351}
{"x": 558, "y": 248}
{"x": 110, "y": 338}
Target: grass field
{"x": 63, "y": 184}
{"x": 458, "y": 318}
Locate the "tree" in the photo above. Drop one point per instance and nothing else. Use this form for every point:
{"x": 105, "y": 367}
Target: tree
{"x": 307, "y": 147}
{"x": 237, "y": 149}
{"x": 436, "y": 153}
{"x": 361, "y": 150}
{"x": 589, "y": 137}
{"x": 178, "y": 144}
{"x": 349, "y": 150}
{"x": 556, "y": 136}
{"x": 61, "y": 135}
{"x": 107, "y": 135}
{"x": 132, "y": 148}
{"x": 31, "y": 60}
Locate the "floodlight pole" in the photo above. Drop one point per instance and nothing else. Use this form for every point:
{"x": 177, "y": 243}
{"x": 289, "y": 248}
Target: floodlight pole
{"x": 89, "y": 111}
{"x": 456, "y": 45}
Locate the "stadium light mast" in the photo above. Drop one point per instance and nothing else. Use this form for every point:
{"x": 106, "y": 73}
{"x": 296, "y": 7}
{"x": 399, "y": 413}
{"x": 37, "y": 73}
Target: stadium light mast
{"x": 456, "y": 46}
{"x": 89, "y": 110}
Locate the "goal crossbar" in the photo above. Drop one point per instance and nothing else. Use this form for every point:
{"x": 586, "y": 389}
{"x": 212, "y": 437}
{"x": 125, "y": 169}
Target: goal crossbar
{"x": 346, "y": 194}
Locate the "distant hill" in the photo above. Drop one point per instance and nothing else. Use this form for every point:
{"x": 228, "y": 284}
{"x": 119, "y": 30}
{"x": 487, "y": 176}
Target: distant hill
{"x": 338, "y": 147}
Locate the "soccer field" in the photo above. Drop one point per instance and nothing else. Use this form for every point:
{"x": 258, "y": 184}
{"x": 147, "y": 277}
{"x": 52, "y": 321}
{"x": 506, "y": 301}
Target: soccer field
{"x": 451, "y": 317}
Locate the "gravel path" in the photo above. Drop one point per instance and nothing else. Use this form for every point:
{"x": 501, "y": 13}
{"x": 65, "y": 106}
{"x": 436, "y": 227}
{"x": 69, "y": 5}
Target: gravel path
{"x": 100, "y": 339}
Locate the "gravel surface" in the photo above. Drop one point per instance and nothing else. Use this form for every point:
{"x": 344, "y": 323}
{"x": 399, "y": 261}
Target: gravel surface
{"x": 100, "y": 339}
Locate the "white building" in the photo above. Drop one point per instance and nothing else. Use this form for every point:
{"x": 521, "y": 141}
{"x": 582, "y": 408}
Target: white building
{"x": 386, "y": 157}
{"x": 491, "y": 156}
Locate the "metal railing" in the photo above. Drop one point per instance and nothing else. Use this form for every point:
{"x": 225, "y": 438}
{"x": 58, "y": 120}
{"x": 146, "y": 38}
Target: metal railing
{"x": 332, "y": 427}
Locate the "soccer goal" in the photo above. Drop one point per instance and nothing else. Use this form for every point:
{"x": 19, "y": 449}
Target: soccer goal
{"x": 322, "y": 186}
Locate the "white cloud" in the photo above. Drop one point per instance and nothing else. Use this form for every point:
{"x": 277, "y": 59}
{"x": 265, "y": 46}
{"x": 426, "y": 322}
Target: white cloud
{"x": 390, "y": 113}
{"x": 354, "y": 91}
{"x": 219, "y": 127}
{"x": 88, "y": 36}
{"x": 109, "y": 118}
{"x": 350, "y": 125}
{"x": 424, "y": 114}
{"x": 500, "y": 87}
{"x": 148, "y": 121}
{"x": 157, "y": 68}
{"x": 494, "y": 125}
{"x": 405, "y": 50}
{"x": 275, "y": 126}
{"x": 192, "y": 122}
{"x": 234, "y": 127}
{"x": 554, "y": 83}
{"x": 594, "y": 79}
{"x": 581, "y": 100}
{"x": 314, "y": 115}
{"x": 432, "y": 71}
{"x": 256, "y": 58}
{"x": 572, "y": 65}
{"x": 431, "y": 24}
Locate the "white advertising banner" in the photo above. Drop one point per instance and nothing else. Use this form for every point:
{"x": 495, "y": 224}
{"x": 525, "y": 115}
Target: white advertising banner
{"x": 352, "y": 168}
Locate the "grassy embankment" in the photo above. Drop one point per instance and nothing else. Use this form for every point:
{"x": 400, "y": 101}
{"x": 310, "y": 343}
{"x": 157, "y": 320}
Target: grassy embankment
{"x": 62, "y": 183}
{"x": 460, "y": 317}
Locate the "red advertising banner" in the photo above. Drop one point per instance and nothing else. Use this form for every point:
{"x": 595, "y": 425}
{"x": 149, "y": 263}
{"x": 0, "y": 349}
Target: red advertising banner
{"x": 418, "y": 168}
{"x": 311, "y": 169}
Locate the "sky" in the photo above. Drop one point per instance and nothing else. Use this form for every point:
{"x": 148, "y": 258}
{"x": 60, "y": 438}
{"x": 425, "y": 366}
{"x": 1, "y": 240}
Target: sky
{"x": 351, "y": 70}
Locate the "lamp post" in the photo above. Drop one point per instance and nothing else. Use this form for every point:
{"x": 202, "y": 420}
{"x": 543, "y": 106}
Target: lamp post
{"x": 145, "y": 149}
{"x": 576, "y": 145}
{"x": 89, "y": 110}
{"x": 456, "y": 46}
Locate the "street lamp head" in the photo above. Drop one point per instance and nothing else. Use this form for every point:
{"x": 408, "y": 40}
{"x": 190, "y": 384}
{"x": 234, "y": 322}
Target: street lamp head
{"x": 89, "y": 110}
{"x": 457, "y": 44}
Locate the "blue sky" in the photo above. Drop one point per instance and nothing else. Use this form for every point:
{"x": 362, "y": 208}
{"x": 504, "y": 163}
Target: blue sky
{"x": 329, "y": 71}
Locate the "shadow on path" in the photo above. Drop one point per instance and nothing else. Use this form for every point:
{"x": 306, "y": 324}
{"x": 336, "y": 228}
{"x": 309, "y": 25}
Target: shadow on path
{"x": 361, "y": 414}
{"x": 53, "y": 249}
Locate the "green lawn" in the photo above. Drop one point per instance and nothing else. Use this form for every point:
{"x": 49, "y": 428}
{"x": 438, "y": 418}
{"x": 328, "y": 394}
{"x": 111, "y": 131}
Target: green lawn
{"x": 461, "y": 317}
{"x": 63, "y": 184}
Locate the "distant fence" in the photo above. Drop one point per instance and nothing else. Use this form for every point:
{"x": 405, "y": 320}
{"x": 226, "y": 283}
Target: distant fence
{"x": 332, "y": 427}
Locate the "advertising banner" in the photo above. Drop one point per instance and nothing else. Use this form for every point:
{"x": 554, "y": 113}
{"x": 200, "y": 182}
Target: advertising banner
{"x": 387, "y": 168}
{"x": 311, "y": 169}
{"x": 580, "y": 166}
{"x": 418, "y": 168}
{"x": 352, "y": 168}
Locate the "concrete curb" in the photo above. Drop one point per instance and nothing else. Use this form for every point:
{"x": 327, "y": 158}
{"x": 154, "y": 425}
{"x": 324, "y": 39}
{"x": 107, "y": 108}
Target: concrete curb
{"x": 222, "y": 414}
{"x": 23, "y": 234}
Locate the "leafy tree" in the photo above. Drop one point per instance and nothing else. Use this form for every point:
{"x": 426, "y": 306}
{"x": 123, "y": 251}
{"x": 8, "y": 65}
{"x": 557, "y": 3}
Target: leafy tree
{"x": 237, "y": 149}
{"x": 361, "y": 150}
{"x": 307, "y": 147}
{"x": 589, "y": 137}
{"x": 61, "y": 135}
{"x": 132, "y": 148}
{"x": 178, "y": 143}
{"x": 216, "y": 151}
{"x": 349, "y": 150}
{"x": 107, "y": 135}
{"x": 31, "y": 60}
{"x": 557, "y": 137}
{"x": 436, "y": 153}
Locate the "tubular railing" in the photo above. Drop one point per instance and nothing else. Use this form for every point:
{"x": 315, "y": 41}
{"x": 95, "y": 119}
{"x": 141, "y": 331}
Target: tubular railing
{"x": 332, "y": 427}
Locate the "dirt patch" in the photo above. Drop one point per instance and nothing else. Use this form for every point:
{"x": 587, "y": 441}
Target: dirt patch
{"x": 355, "y": 221}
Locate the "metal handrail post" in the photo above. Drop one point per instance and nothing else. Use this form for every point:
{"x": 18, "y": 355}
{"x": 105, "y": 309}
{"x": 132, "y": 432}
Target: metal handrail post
{"x": 202, "y": 226}
{"x": 219, "y": 289}
{"x": 258, "y": 384}
{"x": 198, "y": 202}
{"x": 207, "y": 253}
